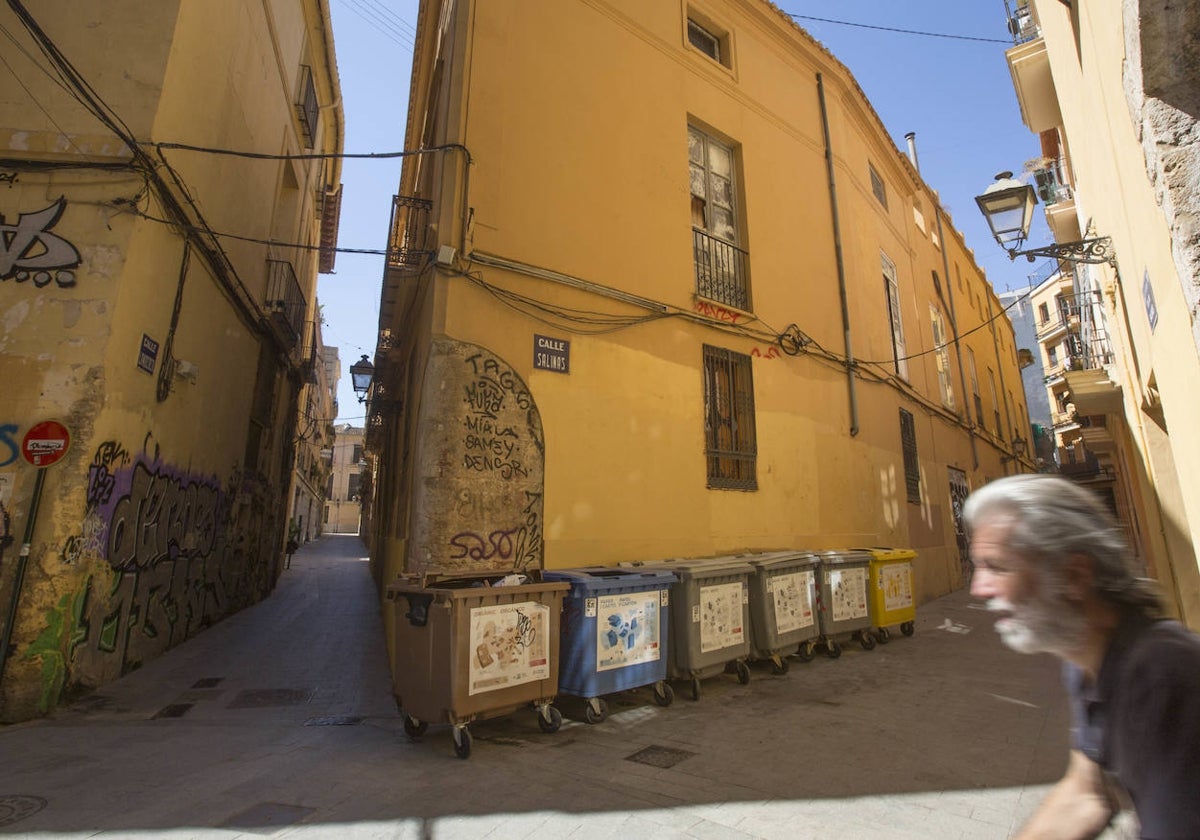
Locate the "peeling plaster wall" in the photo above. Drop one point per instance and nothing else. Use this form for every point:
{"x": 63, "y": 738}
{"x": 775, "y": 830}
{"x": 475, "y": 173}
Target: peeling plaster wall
{"x": 480, "y": 465}
{"x": 1162, "y": 86}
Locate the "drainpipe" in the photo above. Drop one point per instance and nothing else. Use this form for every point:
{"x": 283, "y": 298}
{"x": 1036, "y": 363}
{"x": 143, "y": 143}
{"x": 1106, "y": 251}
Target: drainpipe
{"x": 841, "y": 267}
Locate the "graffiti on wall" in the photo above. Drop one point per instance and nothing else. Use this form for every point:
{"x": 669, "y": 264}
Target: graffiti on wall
{"x": 30, "y": 252}
{"x": 488, "y": 444}
{"x": 481, "y": 454}
{"x": 9, "y": 449}
{"x": 168, "y": 552}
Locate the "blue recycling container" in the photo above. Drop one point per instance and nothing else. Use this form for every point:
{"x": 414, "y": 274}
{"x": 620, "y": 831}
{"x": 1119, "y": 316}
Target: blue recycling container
{"x": 613, "y": 633}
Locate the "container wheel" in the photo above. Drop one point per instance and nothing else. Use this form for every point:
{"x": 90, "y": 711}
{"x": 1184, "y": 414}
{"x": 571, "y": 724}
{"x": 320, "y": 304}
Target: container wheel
{"x": 550, "y": 719}
{"x": 866, "y": 640}
{"x": 462, "y": 742}
{"x": 779, "y": 666}
{"x": 596, "y": 710}
{"x": 832, "y": 649}
{"x": 883, "y": 635}
{"x": 908, "y": 628}
{"x": 414, "y": 728}
{"x": 664, "y": 695}
{"x": 695, "y": 689}
{"x": 743, "y": 672}
{"x": 805, "y": 652}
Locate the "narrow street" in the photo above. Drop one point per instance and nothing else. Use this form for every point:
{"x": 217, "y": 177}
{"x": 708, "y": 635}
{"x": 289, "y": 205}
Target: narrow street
{"x": 280, "y": 722}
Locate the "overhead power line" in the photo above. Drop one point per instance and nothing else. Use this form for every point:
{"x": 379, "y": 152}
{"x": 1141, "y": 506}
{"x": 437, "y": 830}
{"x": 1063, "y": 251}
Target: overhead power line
{"x": 900, "y": 31}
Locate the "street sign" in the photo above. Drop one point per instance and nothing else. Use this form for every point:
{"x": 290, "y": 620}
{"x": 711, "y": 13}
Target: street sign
{"x": 46, "y": 443}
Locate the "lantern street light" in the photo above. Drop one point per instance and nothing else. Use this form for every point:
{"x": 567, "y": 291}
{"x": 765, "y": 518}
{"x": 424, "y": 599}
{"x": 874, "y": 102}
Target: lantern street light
{"x": 361, "y": 374}
{"x": 1008, "y": 207}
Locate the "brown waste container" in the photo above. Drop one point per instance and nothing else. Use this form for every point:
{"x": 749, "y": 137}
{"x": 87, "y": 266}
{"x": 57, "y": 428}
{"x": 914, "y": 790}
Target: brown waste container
{"x": 467, "y": 648}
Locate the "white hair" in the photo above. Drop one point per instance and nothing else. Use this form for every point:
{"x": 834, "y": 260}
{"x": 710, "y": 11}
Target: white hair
{"x": 1051, "y": 520}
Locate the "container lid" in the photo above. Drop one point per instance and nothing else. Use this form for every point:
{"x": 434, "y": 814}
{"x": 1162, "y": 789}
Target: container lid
{"x": 880, "y": 553}
{"x": 704, "y": 567}
{"x": 617, "y": 576}
{"x": 774, "y": 559}
{"x": 845, "y": 555}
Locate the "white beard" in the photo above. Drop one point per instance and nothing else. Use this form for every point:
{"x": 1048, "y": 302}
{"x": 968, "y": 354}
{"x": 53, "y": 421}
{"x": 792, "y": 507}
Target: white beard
{"x": 1044, "y": 624}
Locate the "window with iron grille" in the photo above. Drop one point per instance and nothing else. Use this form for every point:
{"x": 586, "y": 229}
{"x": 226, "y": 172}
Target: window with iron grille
{"x": 912, "y": 466}
{"x": 892, "y": 289}
{"x": 877, "y": 186}
{"x": 942, "y": 356}
{"x": 721, "y": 264}
{"x": 729, "y": 436}
{"x": 307, "y": 108}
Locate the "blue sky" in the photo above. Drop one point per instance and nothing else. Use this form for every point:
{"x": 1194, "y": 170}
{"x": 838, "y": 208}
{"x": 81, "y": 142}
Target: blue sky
{"x": 955, "y": 94}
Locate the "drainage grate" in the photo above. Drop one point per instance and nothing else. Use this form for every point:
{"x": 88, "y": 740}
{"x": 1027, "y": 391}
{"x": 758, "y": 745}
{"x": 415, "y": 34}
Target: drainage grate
{"x": 656, "y": 756}
{"x": 334, "y": 720}
{"x": 207, "y": 682}
{"x": 16, "y": 808}
{"x": 175, "y": 710}
{"x": 263, "y": 697}
{"x": 267, "y": 817}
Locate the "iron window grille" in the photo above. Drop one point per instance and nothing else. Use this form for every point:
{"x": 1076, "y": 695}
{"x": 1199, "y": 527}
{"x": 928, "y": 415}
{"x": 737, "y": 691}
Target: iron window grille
{"x": 285, "y": 302}
{"x": 703, "y": 40}
{"x": 730, "y": 440}
{"x": 912, "y": 465}
{"x": 307, "y": 108}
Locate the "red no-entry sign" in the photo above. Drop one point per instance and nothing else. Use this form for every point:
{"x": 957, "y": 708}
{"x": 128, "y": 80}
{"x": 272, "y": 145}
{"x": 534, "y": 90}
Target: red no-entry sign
{"x": 46, "y": 443}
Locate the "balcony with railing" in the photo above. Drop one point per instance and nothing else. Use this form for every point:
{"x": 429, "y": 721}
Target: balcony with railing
{"x": 1021, "y": 25}
{"x": 1067, "y": 317}
{"x": 721, "y": 270}
{"x": 407, "y": 232}
{"x": 307, "y": 107}
{"x": 1030, "y": 67}
{"x": 285, "y": 302}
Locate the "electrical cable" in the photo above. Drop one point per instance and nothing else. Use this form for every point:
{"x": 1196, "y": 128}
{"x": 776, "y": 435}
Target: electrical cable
{"x": 404, "y": 153}
{"x": 899, "y": 31}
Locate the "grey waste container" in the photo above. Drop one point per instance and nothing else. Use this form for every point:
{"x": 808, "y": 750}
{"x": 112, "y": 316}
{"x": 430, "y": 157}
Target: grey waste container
{"x": 710, "y": 618}
{"x": 842, "y": 599}
{"x": 783, "y": 606}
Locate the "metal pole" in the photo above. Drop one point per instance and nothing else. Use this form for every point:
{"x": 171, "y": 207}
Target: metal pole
{"x": 22, "y": 562}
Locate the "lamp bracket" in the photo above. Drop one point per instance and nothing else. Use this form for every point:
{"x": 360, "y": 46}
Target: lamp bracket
{"x": 1096, "y": 250}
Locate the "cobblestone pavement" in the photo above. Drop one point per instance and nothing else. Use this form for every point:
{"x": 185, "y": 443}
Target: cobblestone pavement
{"x": 280, "y": 722}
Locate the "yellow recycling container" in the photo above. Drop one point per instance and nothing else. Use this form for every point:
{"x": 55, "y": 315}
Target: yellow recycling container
{"x": 891, "y": 591}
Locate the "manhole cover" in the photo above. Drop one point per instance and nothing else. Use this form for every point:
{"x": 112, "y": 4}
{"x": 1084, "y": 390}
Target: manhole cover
{"x": 263, "y": 697}
{"x": 207, "y": 682}
{"x": 175, "y": 710}
{"x": 335, "y": 720}
{"x": 16, "y": 808}
{"x": 657, "y": 756}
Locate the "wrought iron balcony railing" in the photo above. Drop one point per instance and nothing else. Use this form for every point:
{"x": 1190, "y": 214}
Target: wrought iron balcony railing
{"x": 285, "y": 301}
{"x": 307, "y": 107}
{"x": 721, "y": 273}
{"x": 408, "y": 230}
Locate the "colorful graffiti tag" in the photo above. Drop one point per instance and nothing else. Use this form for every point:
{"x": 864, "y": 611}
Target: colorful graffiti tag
{"x": 167, "y": 553}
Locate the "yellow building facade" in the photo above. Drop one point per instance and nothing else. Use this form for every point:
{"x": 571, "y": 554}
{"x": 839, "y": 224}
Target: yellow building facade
{"x": 1112, "y": 92}
{"x": 660, "y": 285}
{"x": 343, "y": 508}
{"x": 143, "y": 311}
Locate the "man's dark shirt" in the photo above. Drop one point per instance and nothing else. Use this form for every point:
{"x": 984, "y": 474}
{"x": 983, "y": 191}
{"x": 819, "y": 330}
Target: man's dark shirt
{"x": 1141, "y": 722}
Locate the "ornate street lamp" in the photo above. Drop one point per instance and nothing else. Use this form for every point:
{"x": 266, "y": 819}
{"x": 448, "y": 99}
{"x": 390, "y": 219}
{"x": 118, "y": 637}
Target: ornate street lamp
{"x": 1008, "y": 207}
{"x": 361, "y": 374}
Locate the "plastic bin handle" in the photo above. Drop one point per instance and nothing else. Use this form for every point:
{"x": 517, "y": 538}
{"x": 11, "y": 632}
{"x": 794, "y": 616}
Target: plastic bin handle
{"x": 418, "y": 608}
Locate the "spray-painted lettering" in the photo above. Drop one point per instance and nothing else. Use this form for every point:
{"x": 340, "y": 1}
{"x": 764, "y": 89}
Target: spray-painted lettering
{"x": 717, "y": 313}
{"x": 469, "y": 544}
{"x": 163, "y": 517}
{"x": 28, "y": 251}
{"x": 8, "y": 441}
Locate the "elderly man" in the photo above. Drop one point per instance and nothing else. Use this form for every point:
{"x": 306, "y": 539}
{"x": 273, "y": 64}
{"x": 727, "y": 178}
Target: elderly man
{"x": 1049, "y": 556}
